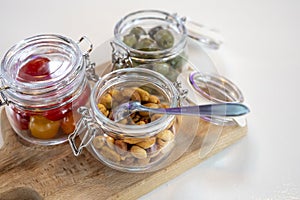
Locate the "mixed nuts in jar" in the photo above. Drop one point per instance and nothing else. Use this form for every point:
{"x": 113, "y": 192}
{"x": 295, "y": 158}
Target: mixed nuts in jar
{"x": 135, "y": 151}
{"x": 45, "y": 83}
{"x": 141, "y": 142}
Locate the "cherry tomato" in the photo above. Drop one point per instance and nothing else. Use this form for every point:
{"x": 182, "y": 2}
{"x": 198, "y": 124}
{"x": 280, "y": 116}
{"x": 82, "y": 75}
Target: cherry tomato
{"x": 82, "y": 99}
{"x": 60, "y": 112}
{"x": 57, "y": 113}
{"x": 20, "y": 118}
{"x": 36, "y": 69}
{"x": 42, "y": 127}
{"x": 68, "y": 123}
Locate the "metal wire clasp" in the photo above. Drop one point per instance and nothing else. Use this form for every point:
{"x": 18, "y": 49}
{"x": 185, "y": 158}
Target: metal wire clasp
{"x": 90, "y": 69}
{"x": 120, "y": 56}
{"x": 89, "y": 66}
{"x": 3, "y": 100}
{"x": 85, "y": 126}
{"x": 90, "y": 44}
{"x": 182, "y": 92}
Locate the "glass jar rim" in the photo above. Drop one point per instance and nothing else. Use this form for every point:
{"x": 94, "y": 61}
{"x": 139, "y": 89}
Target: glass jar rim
{"x": 39, "y": 46}
{"x": 176, "y": 49}
{"x": 134, "y": 130}
{"x": 218, "y": 85}
{"x": 22, "y": 46}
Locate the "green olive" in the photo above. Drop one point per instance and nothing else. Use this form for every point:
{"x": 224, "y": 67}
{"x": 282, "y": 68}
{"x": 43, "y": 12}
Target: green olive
{"x": 164, "y": 38}
{"x": 154, "y": 30}
{"x": 130, "y": 40}
{"x": 173, "y": 74}
{"x": 177, "y": 63}
{"x": 162, "y": 68}
{"x": 146, "y": 44}
{"x": 138, "y": 32}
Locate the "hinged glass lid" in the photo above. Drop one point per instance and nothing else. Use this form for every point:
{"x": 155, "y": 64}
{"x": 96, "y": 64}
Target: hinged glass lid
{"x": 44, "y": 69}
{"x": 215, "y": 87}
{"x": 41, "y": 64}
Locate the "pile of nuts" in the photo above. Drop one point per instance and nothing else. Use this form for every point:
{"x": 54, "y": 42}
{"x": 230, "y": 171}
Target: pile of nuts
{"x": 133, "y": 151}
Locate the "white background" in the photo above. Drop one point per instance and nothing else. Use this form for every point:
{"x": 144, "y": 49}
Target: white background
{"x": 260, "y": 54}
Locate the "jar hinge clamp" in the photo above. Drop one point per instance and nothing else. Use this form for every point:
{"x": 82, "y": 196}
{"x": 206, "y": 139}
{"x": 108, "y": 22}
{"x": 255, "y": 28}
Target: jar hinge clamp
{"x": 182, "y": 92}
{"x": 120, "y": 56}
{"x": 4, "y": 101}
{"x": 85, "y": 126}
{"x": 90, "y": 67}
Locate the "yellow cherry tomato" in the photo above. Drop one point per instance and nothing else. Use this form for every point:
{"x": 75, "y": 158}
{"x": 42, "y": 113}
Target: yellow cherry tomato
{"x": 43, "y": 128}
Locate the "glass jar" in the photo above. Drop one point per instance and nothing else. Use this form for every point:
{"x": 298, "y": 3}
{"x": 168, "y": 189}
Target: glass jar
{"x": 160, "y": 38}
{"x": 43, "y": 82}
{"x": 151, "y": 36}
{"x": 141, "y": 142}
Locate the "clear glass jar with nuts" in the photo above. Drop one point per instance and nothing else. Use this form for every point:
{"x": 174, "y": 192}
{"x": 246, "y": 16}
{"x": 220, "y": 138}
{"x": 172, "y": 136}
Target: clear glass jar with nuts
{"x": 143, "y": 141}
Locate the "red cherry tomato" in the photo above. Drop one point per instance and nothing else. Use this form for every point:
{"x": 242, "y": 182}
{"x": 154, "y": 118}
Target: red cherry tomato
{"x": 82, "y": 99}
{"x": 36, "y": 69}
{"x": 57, "y": 113}
{"x": 20, "y": 118}
{"x": 60, "y": 112}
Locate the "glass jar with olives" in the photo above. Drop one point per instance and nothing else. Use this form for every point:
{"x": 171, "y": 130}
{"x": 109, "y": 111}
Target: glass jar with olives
{"x": 151, "y": 37}
{"x": 43, "y": 82}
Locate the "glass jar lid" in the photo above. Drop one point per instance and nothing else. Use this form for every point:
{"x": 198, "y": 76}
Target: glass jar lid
{"x": 44, "y": 66}
{"x": 215, "y": 88}
{"x": 209, "y": 87}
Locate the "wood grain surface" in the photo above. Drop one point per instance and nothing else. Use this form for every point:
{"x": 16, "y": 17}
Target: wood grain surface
{"x": 34, "y": 172}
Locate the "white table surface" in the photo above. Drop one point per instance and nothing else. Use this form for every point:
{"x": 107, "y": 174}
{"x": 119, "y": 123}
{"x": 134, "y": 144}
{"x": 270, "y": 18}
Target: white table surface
{"x": 260, "y": 54}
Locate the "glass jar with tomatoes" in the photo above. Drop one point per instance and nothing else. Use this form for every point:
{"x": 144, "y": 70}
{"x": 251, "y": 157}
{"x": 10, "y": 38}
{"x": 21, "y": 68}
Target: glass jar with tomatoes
{"x": 43, "y": 83}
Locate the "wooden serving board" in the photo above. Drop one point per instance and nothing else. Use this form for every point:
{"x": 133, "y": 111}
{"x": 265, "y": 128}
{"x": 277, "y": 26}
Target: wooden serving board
{"x": 31, "y": 172}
